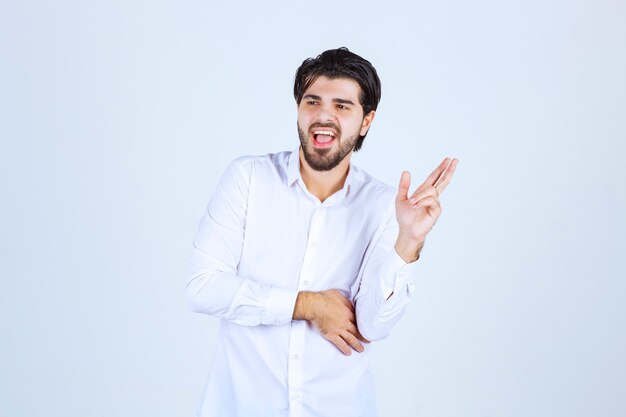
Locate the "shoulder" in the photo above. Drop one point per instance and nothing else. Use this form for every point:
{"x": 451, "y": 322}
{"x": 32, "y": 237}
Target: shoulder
{"x": 247, "y": 164}
{"x": 267, "y": 160}
{"x": 371, "y": 186}
{"x": 374, "y": 199}
{"x": 269, "y": 169}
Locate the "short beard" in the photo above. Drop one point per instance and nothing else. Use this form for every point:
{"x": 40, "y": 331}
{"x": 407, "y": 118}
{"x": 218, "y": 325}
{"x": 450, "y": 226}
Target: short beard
{"x": 323, "y": 159}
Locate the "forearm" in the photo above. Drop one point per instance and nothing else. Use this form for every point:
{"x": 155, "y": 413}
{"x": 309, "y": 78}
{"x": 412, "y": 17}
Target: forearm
{"x": 224, "y": 294}
{"x": 383, "y": 297}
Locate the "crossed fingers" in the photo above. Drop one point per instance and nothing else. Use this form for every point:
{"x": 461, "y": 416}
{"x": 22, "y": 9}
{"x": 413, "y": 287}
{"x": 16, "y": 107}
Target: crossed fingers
{"x": 437, "y": 181}
{"x": 440, "y": 177}
{"x": 427, "y": 194}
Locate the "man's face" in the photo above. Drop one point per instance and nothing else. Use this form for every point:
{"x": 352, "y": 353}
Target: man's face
{"x": 330, "y": 121}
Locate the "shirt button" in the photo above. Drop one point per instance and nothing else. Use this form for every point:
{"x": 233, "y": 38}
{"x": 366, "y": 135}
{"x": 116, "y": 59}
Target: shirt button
{"x": 295, "y": 356}
{"x": 314, "y": 245}
{"x": 306, "y": 282}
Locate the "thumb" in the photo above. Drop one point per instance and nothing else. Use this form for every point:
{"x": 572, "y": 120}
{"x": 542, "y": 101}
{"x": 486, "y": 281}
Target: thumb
{"x": 403, "y": 187}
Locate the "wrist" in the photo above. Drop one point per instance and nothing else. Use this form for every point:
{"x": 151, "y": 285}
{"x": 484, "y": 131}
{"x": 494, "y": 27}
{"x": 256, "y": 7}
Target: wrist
{"x": 408, "y": 248}
{"x": 304, "y": 307}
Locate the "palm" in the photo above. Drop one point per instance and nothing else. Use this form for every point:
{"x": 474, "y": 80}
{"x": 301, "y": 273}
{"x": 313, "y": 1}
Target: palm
{"x": 417, "y": 214}
{"x": 417, "y": 221}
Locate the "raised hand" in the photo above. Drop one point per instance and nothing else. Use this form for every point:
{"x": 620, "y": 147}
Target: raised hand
{"x": 418, "y": 213}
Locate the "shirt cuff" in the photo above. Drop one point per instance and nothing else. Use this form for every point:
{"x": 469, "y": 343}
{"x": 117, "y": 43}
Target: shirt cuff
{"x": 280, "y": 305}
{"x": 398, "y": 276}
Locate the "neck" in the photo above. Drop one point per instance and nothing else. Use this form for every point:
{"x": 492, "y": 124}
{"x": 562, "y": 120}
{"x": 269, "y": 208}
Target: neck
{"x": 323, "y": 184}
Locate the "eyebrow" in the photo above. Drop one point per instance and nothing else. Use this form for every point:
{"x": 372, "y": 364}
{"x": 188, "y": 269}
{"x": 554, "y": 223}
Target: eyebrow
{"x": 335, "y": 100}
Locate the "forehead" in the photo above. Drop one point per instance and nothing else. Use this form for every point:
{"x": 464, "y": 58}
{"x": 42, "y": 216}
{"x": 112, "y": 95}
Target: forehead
{"x": 345, "y": 88}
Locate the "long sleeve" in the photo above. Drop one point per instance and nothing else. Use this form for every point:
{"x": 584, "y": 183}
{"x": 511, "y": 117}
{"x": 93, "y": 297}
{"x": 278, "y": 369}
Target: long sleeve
{"x": 385, "y": 283}
{"x": 213, "y": 286}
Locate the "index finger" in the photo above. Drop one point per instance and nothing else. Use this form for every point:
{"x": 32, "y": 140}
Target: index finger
{"x": 445, "y": 179}
{"x": 434, "y": 176}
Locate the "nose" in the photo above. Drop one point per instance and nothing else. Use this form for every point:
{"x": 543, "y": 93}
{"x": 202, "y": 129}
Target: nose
{"x": 326, "y": 113}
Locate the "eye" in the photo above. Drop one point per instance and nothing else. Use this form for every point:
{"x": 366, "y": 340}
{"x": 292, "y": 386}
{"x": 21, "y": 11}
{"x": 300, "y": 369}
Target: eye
{"x": 342, "y": 107}
{"x": 311, "y": 102}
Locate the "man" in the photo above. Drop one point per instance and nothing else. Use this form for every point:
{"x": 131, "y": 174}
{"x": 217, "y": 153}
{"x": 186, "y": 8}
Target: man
{"x": 305, "y": 258}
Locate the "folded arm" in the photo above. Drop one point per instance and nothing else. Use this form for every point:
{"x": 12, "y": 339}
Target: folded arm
{"x": 213, "y": 285}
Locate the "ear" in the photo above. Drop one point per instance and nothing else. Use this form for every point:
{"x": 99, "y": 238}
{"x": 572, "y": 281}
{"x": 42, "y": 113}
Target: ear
{"x": 367, "y": 121}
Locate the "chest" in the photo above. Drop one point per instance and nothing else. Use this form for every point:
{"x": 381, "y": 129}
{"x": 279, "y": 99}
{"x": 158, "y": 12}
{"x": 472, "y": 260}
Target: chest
{"x": 293, "y": 241}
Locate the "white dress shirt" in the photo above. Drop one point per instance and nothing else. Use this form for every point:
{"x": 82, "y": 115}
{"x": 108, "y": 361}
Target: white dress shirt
{"x": 263, "y": 238}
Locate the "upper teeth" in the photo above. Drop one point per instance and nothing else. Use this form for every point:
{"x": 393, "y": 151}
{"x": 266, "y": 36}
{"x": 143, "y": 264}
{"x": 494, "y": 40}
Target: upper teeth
{"x": 324, "y": 132}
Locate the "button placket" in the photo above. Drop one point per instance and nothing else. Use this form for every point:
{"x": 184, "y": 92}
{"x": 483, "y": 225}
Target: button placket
{"x": 298, "y": 328}
{"x": 309, "y": 253}
{"x": 295, "y": 373}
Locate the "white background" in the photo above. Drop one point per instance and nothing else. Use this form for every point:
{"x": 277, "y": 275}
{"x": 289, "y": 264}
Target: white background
{"x": 117, "y": 118}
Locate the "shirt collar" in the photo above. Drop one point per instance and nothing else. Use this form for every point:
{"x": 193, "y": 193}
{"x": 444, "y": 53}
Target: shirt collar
{"x": 293, "y": 173}
{"x": 293, "y": 167}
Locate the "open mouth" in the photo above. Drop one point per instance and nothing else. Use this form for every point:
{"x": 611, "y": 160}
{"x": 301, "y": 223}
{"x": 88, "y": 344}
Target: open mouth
{"x": 323, "y": 137}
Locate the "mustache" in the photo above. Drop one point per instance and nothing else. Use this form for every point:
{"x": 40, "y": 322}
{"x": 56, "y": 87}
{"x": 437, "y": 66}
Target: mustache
{"x": 323, "y": 125}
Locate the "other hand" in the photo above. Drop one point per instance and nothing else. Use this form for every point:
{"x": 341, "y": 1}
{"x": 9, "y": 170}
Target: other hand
{"x": 333, "y": 316}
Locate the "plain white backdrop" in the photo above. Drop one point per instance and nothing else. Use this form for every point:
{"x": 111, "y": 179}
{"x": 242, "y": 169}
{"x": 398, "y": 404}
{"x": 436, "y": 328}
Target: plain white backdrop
{"x": 117, "y": 118}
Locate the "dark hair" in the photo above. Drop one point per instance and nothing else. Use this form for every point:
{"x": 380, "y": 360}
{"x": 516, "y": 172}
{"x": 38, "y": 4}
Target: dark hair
{"x": 341, "y": 63}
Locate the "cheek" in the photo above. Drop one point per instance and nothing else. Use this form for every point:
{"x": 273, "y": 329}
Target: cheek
{"x": 303, "y": 123}
{"x": 303, "y": 118}
{"x": 353, "y": 125}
